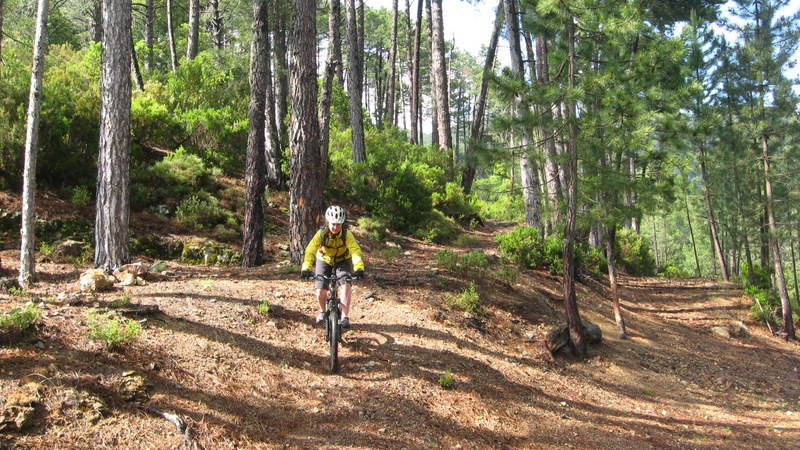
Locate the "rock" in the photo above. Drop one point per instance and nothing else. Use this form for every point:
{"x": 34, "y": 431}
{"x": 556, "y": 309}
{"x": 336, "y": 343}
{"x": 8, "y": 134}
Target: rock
{"x": 721, "y": 332}
{"x": 137, "y": 269}
{"x": 69, "y": 249}
{"x": 133, "y": 387}
{"x": 8, "y": 283}
{"x": 20, "y": 407}
{"x": 738, "y": 329}
{"x": 95, "y": 280}
{"x": 559, "y": 337}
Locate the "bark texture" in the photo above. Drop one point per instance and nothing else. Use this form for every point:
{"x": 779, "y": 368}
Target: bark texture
{"x": 113, "y": 178}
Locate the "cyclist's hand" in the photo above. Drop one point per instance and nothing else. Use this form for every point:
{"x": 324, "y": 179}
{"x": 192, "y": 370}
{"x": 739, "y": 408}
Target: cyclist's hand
{"x": 306, "y": 274}
{"x": 358, "y": 274}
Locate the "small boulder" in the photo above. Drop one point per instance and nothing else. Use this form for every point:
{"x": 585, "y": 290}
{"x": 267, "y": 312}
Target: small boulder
{"x": 95, "y": 280}
{"x": 69, "y": 249}
{"x": 721, "y": 332}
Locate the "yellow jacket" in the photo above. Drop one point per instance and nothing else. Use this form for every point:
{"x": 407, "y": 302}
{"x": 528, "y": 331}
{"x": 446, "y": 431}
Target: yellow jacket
{"x": 332, "y": 250}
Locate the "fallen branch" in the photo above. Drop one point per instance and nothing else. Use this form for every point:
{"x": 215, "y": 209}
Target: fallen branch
{"x": 766, "y": 319}
{"x": 178, "y": 422}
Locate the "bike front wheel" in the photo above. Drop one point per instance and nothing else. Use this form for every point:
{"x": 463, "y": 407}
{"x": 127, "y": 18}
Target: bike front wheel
{"x": 335, "y": 332}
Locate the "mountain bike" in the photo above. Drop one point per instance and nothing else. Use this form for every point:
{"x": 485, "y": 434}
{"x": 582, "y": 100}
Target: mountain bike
{"x": 333, "y": 314}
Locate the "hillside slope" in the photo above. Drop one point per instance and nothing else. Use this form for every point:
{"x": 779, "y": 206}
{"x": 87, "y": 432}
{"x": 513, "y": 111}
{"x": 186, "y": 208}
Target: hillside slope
{"x": 243, "y": 380}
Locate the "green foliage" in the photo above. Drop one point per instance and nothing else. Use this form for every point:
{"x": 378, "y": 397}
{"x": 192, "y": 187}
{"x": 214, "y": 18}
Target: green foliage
{"x": 201, "y": 214}
{"x": 454, "y": 203}
{"x": 447, "y": 380}
{"x": 507, "y": 274}
{"x": 633, "y": 253}
{"x": 493, "y": 201}
{"x": 591, "y": 258}
{"x": 526, "y": 247}
{"x": 47, "y": 248}
{"x": 122, "y": 302}
{"x": 438, "y": 229}
{"x": 81, "y": 196}
{"x": 761, "y": 276}
{"x": 389, "y": 254}
{"x": 473, "y": 262}
{"x": 18, "y": 292}
{"x": 290, "y": 269}
{"x": 670, "y": 270}
{"x": 447, "y": 259}
{"x": 468, "y": 300}
{"x": 111, "y": 331}
{"x": 396, "y": 182}
{"x": 374, "y": 228}
{"x": 264, "y": 307}
{"x": 20, "y": 319}
{"x": 770, "y": 302}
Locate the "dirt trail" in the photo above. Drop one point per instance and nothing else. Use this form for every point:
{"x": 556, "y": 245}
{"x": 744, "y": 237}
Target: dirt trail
{"x": 242, "y": 380}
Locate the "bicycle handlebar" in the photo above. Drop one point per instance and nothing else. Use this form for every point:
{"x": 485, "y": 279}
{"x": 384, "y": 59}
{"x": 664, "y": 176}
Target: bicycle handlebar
{"x": 345, "y": 276}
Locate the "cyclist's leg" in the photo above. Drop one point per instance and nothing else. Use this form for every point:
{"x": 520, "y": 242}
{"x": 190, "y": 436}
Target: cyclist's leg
{"x": 322, "y": 268}
{"x": 343, "y": 267}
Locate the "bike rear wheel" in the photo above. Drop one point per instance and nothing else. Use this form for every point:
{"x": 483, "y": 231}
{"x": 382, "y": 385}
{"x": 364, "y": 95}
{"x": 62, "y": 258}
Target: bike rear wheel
{"x": 335, "y": 331}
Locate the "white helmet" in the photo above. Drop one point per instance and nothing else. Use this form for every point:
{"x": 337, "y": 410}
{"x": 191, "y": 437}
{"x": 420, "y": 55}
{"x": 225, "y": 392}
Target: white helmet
{"x": 335, "y": 214}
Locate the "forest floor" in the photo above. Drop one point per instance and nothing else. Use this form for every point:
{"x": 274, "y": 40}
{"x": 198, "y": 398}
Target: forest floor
{"x": 239, "y": 379}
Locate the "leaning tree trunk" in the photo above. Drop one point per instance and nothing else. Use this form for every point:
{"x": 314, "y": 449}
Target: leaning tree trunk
{"x": 468, "y": 175}
{"x": 27, "y": 268}
{"x": 571, "y": 174}
{"x": 173, "y": 51}
{"x": 253, "y": 233}
{"x": 712, "y": 223}
{"x": 354, "y": 82}
{"x": 137, "y": 73}
{"x": 327, "y": 84}
{"x": 780, "y": 280}
{"x": 194, "y": 30}
{"x": 113, "y": 167}
{"x": 305, "y": 195}
{"x": 611, "y": 237}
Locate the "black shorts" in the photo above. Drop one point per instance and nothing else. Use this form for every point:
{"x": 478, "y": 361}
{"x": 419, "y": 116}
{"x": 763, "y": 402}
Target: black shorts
{"x": 323, "y": 268}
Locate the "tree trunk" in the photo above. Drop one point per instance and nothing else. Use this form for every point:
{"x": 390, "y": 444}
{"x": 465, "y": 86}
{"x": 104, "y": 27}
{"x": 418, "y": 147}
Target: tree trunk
{"x": 137, "y": 74}
{"x": 217, "y": 31}
{"x": 415, "y": 80}
{"x": 327, "y": 85}
{"x": 150, "y": 17}
{"x": 354, "y": 80}
{"x": 113, "y": 179}
{"x": 780, "y": 280}
{"x": 27, "y": 269}
{"x": 194, "y": 30}
{"x": 254, "y": 180}
{"x": 1, "y": 29}
{"x": 173, "y": 52}
{"x": 712, "y": 223}
{"x": 432, "y": 81}
{"x": 528, "y": 173}
{"x": 276, "y": 179}
{"x": 305, "y": 195}
{"x": 611, "y": 238}
{"x": 391, "y": 94}
{"x": 553, "y": 175}
{"x": 691, "y": 235}
{"x": 439, "y": 69}
{"x": 282, "y": 72}
{"x": 96, "y": 21}
{"x": 577, "y": 337}
{"x": 476, "y": 130}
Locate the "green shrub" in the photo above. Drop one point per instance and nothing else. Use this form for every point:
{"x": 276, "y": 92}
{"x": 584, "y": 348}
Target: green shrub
{"x": 374, "y": 228}
{"x": 507, "y": 274}
{"x": 264, "y": 307}
{"x": 761, "y": 276}
{"x": 493, "y": 201}
{"x": 447, "y": 381}
{"x": 20, "y": 319}
{"x": 453, "y": 203}
{"x": 770, "y": 303}
{"x": 122, "y": 302}
{"x": 474, "y": 261}
{"x": 81, "y": 196}
{"x": 111, "y": 331}
{"x": 201, "y": 214}
{"x": 447, "y": 259}
{"x": 468, "y": 300}
{"x": 437, "y": 229}
{"x": 670, "y": 270}
{"x": 633, "y": 253}
{"x": 389, "y": 254}
{"x": 18, "y": 292}
{"x": 523, "y": 245}
{"x": 591, "y": 259}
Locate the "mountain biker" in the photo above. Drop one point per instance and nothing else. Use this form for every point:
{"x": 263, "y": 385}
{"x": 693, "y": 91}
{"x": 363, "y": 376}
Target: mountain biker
{"x": 333, "y": 247}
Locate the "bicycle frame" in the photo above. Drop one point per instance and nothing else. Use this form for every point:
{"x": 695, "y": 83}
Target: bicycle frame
{"x": 333, "y": 314}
